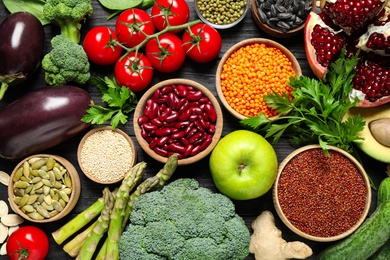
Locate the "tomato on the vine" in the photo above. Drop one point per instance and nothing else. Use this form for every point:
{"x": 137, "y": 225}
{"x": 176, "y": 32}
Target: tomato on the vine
{"x": 173, "y": 12}
{"x": 202, "y": 43}
{"x": 28, "y": 243}
{"x": 132, "y": 26}
{"x": 166, "y": 52}
{"x": 100, "y": 45}
{"x": 134, "y": 71}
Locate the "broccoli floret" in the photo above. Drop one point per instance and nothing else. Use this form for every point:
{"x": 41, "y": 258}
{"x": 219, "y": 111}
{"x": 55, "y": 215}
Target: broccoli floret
{"x": 68, "y": 15}
{"x": 184, "y": 221}
{"x": 66, "y": 62}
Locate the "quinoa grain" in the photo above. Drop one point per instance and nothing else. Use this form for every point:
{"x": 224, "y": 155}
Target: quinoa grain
{"x": 106, "y": 156}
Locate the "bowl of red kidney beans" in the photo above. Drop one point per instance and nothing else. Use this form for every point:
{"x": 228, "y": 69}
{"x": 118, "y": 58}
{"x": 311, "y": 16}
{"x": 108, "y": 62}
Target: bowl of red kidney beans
{"x": 178, "y": 116}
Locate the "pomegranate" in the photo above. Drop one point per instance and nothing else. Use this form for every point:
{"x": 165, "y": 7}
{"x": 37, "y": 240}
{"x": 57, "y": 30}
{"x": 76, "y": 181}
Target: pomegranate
{"x": 326, "y": 34}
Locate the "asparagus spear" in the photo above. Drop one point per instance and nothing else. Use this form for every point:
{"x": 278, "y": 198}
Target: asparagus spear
{"x": 73, "y": 247}
{"x": 67, "y": 230}
{"x": 91, "y": 242}
{"x": 121, "y": 213}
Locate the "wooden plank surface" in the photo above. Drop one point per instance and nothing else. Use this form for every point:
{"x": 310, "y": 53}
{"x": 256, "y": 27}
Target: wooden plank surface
{"x": 204, "y": 74}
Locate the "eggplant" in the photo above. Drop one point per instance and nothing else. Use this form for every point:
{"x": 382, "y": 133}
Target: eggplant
{"x": 22, "y": 45}
{"x": 41, "y": 119}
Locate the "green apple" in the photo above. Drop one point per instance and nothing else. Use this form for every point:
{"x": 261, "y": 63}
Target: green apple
{"x": 243, "y": 165}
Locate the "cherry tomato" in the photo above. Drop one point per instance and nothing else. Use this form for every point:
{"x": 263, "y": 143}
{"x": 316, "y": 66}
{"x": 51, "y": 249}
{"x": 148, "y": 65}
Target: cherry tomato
{"x": 132, "y": 25}
{"x": 100, "y": 45}
{"x": 203, "y": 43}
{"x": 134, "y": 71}
{"x": 175, "y": 12}
{"x": 29, "y": 243}
{"x": 166, "y": 53}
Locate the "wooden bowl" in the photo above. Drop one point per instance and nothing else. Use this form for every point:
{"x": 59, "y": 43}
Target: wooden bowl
{"x": 234, "y": 48}
{"x": 162, "y": 157}
{"x": 113, "y": 157}
{"x": 221, "y": 26}
{"x": 272, "y": 31}
{"x": 28, "y": 176}
{"x": 306, "y": 181}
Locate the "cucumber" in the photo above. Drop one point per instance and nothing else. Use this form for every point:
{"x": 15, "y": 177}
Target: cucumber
{"x": 384, "y": 191}
{"x": 369, "y": 237}
{"x": 383, "y": 253}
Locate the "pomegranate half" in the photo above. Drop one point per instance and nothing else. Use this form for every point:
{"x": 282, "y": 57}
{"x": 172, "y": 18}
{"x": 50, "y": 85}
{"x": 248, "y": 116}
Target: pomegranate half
{"x": 366, "y": 32}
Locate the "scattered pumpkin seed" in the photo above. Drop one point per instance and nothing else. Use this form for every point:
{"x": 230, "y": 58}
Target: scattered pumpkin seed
{"x": 3, "y": 249}
{"x": 3, "y": 208}
{"x": 3, "y": 233}
{"x": 11, "y": 220}
{"x": 4, "y": 178}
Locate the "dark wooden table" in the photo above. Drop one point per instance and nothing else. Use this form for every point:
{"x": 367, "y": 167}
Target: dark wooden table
{"x": 204, "y": 74}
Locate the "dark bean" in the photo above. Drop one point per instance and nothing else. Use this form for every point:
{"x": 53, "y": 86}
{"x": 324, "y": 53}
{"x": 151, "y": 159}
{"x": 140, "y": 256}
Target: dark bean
{"x": 209, "y": 109}
{"x": 162, "y": 141}
{"x": 188, "y": 150}
{"x": 194, "y": 95}
{"x": 143, "y": 119}
{"x": 161, "y": 151}
{"x": 176, "y": 148}
{"x": 196, "y": 150}
{"x": 157, "y": 122}
{"x": 163, "y": 131}
{"x": 206, "y": 142}
{"x": 153, "y": 143}
{"x": 178, "y": 135}
{"x": 166, "y": 90}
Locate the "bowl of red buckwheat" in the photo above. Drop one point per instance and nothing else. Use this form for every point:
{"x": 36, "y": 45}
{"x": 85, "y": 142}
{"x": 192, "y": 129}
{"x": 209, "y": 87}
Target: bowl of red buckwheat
{"x": 321, "y": 195}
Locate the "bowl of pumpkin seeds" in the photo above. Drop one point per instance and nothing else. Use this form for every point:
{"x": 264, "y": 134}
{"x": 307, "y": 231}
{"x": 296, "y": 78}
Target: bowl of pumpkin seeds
{"x": 281, "y": 18}
{"x": 44, "y": 188}
{"x": 221, "y": 14}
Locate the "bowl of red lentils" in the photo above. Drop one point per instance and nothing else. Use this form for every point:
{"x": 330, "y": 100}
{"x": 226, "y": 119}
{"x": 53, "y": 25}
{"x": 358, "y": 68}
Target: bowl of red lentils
{"x": 178, "y": 116}
{"x": 105, "y": 155}
{"x": 251, "y": 69}
{"x": 321, "y": 196}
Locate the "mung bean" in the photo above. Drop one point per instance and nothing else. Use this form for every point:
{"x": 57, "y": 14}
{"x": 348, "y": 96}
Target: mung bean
{"x": 221, "y": 12}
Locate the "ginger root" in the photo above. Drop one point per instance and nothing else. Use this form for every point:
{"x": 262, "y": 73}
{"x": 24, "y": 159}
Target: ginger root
{"x": 267, "y": 242}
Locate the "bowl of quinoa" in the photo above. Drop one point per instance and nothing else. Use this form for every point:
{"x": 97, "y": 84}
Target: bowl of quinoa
{"x": 250, "y": 70}
{"x": 106, "y": 155}
{"x": 321, "y": 197}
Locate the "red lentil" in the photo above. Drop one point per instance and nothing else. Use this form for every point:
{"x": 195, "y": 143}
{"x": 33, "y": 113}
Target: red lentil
{"x": 322, "y": 196}
{"x": 252, "y": 72}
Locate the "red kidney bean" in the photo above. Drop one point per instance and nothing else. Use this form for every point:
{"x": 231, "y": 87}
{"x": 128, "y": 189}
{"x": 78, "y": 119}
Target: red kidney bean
{"x": 172, "y": 100}
{"x": 162, "y": 140}
{"x": 211, "y": 129}
{"x": 193, "y": 117}
{"x": 185, "y": 115}
{"x": 176, "y": 148}
{"x": 156, "y": 121}
{"x": 184, "y": 142}
{"x": 170, "y": 125}
{"x": 199, "y": 126}
{"x": 182, "y": 91}
{"x": 195, "y": 150}
{"x": 190, "y": 132}
{"x": 165, "y": 114}
{"x": 161, "y": 151}
{"x": 163, "y": 131}
{"x": 206, "y": 142}
{"x": 143, "y": 120}
{"x": 205, "y": 124}
{"x": 209, "y": 109}
{"x": 172, "y": 117}
{"x": 156, "y": 95}
{"x": 196, "y": 110}
{"x": 153, "y": 143}
{"x": 203, "y": 100}
{"x": 180, "y": 125}
{"x": 183, "y": 107}
{"x": 178, "y": 135}
{"x": 149, "y": 127}
{"x": 188, "y": 150}
{"x": 194, "y": 95}
{"x": 144, "y": 133}
{"x": 166, "y": 90}
{"x": 195, "y": 137}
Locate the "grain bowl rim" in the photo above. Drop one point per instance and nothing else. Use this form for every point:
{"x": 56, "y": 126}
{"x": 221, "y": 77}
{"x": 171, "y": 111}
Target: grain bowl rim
{"x": 105, "y": 128}
{"x": 296, "y": 230}
{"x": 235, "y": 47}
{"x": 76, "y": 189}
{"x": 175, "y": 81}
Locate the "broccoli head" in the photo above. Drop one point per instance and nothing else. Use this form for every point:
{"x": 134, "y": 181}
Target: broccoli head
{"x": 68, "y": 15}
{"x": 184, "y": 221}
{"x": 66, "y": 62}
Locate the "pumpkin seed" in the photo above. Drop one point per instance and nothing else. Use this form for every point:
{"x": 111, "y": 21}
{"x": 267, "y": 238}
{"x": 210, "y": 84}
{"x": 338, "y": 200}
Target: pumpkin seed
{"x": 17, "y": 174}
{"x": 62, "y": 203}
{"x": 12, "y": 219}
{"x": 26, "y": 169}
{"x": 47, "y": 206}
{"x": 12, "y": 229}
{"x": 33, "y": 198}
{"x": 38, "y": 163}
{"x": 4, "y": 178}
{"x": 47, "y": 199}
{"x": 38, "y": 185}
{"x": 3, "y": 233}
{"x": 28, "y": 208}
{"x": 42, "y": 211}
{"x": 53, "y": 213}
{"x": 23, "y": 201}
{"x": 3, "y": 249}
{"x": 67, "y": 180}
{"x": 43, "y": 174}
{"x": 57, "y": 173}
{"x": 46, "y": 183}
{"x": 57, "y": 206}
{"x": 21, "y": 184}
{"x": 3, "y": 208}
{"x": 36, "y": 216}
{"x": 50, "y": 163}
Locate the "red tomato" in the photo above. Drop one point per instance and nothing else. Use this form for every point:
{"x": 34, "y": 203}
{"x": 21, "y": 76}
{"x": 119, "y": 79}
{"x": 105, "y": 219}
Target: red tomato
{"x": 132, "y": 25}
{"x": 203, "y": 43}
{"x": 166, "y": 54}
{"x": 29, "y": 243}
{"x": 134, "y": 71}
{"x": 100, "y": 45}
{"x": 175, "y": 12}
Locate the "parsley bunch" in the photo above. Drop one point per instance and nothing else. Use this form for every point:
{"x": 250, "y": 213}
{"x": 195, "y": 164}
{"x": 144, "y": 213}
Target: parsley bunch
{"x": 316, "y": 111}
{"x": 120, "y": 100}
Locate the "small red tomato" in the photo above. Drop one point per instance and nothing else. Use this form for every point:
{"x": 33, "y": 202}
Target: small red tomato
{"x": 100, "y": 45}
{"x": 134, "y": 71}
{"x": 203, "y": 44}
{"x": 132, "y": 25}
{"x": 28, "y": 243}
{"x": 166, "y": 53}
{"x": 175, "y": 12}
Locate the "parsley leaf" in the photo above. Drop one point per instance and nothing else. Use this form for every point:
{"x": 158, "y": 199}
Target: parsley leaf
{"x": 120, "y": 102}
{"x": 316, "y": 111}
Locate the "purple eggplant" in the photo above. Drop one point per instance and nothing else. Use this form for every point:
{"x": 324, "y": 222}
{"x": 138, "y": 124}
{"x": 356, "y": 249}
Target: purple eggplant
{"x": 22, "y": 42}
{"x": 42, "y": 119}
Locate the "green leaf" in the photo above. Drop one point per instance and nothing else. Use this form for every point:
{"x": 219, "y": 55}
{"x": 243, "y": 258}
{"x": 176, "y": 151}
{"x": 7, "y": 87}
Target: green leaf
{"x": 34, "y": 7}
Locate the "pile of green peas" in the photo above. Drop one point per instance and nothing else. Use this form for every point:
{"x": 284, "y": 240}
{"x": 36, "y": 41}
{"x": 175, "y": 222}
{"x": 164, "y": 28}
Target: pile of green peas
{"x": 221, "y": 12}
